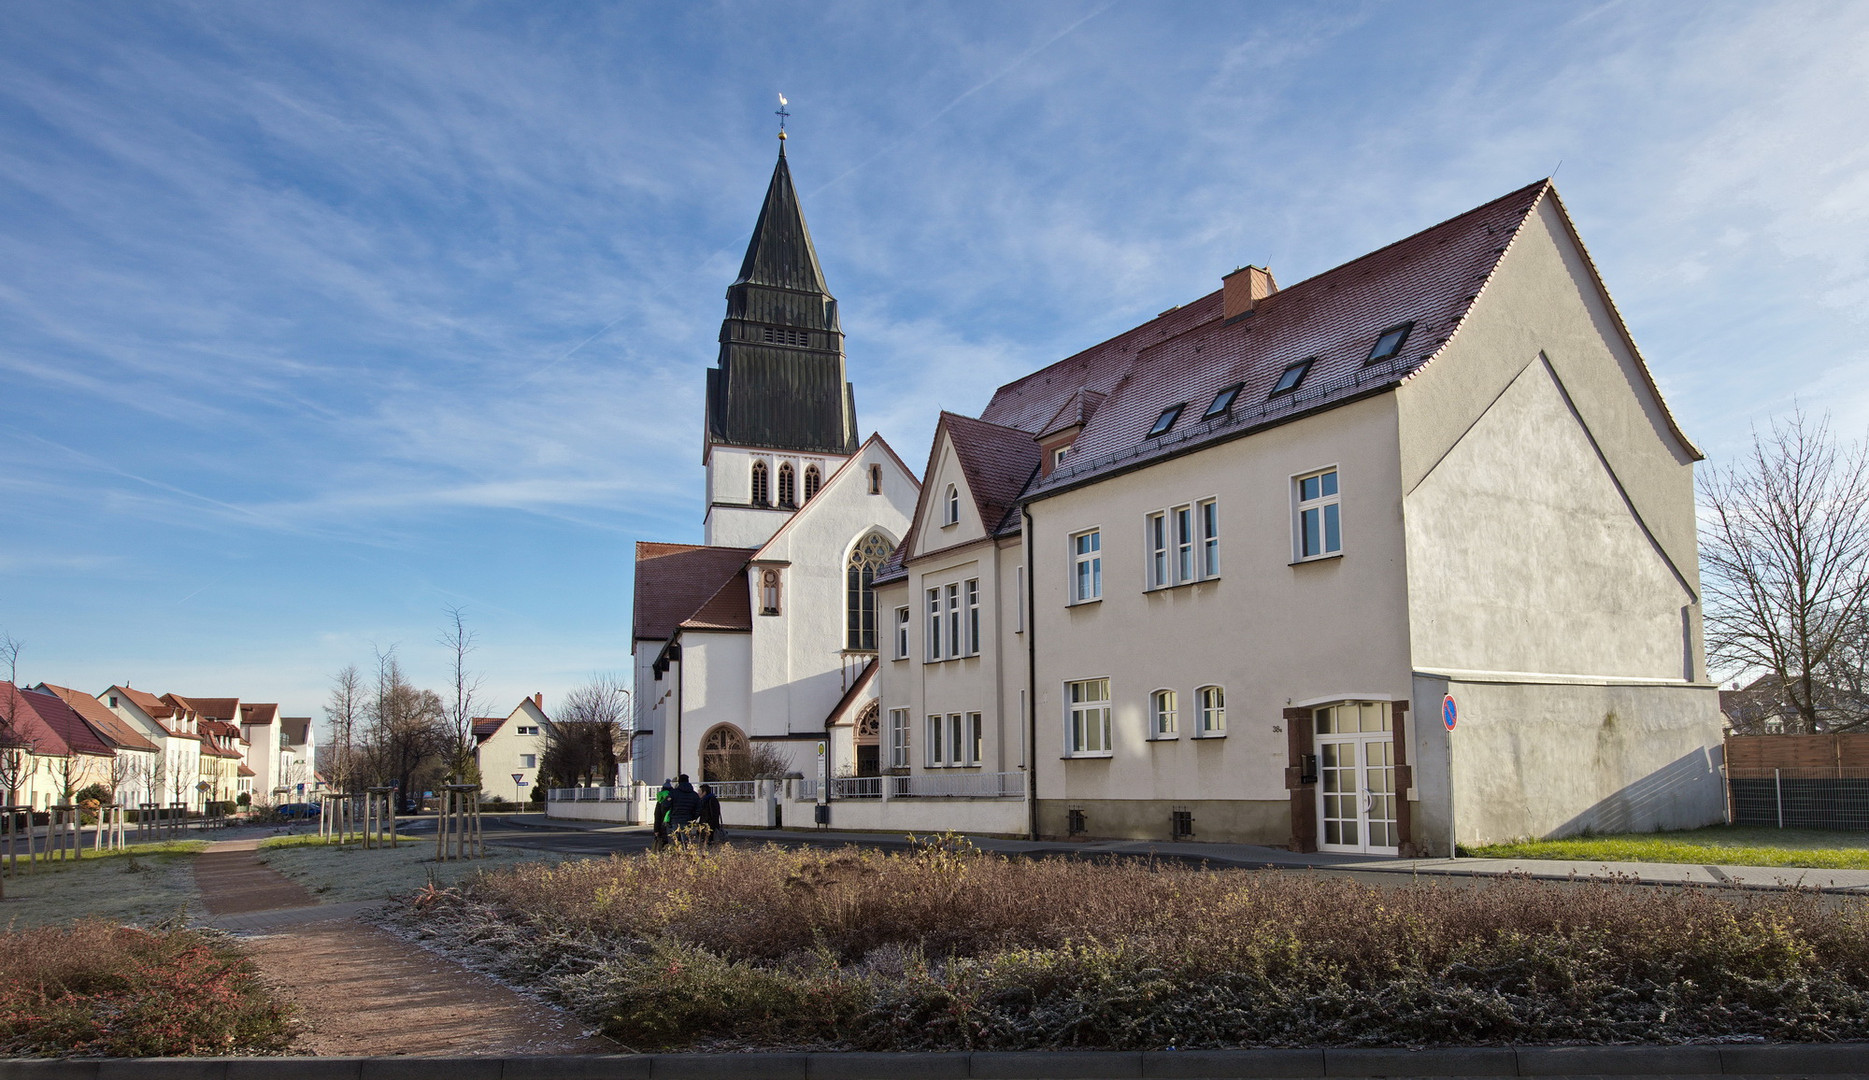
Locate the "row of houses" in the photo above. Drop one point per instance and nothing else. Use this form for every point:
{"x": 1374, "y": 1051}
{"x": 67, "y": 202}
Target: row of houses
{"x": 1398, "y": 557}
{"x": 167, "y": 750}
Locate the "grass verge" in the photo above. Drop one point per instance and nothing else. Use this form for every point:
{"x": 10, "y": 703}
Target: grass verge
{"x": 337, "y": 874}
{"x": 115, "y": 991}
{"x": 144, "y": 885}
{"x": 1719, "y": 845}
{"x": 943, "y": 948}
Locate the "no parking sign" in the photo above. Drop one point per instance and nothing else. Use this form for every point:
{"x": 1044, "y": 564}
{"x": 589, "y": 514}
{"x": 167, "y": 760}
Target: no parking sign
{"x": 1449, "y": 711}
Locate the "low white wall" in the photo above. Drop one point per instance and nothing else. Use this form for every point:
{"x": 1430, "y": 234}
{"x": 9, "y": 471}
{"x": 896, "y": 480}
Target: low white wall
{"x": 901, "y": 815}
{"x": 622, "y": 813}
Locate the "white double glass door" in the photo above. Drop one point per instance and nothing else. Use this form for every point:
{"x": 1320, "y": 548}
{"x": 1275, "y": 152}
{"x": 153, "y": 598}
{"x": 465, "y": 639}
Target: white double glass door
{"x": 1356, "y": 779}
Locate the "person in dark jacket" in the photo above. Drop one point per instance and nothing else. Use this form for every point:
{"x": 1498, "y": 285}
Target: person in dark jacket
{"x": 710, "y": 814}
{"x": 661, "y": 816}
{"x": 684, "y": 806}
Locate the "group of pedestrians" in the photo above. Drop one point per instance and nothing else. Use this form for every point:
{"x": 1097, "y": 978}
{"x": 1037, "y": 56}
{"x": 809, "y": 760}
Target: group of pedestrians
{"x": 678, "y": 806}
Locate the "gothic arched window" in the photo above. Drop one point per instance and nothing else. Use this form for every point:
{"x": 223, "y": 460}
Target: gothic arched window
{"x": 762, "y": 488}
{"x": 813, "y": 481}
{"x": 866, "y": 558}
{"x": 724, "y": 754}
{"x": 788, "y": 486}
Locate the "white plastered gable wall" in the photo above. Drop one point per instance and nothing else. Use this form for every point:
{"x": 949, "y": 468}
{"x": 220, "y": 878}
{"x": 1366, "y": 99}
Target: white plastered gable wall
{"x": 932, "y": 532}
{"x": 1552, "y": 566}
{"x": 731, "y": 519}
{"x": 779, "y": 682}
{"x": 502, "y": 755}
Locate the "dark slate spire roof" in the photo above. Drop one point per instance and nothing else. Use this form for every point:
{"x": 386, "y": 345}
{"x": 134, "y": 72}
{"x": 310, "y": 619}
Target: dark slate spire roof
{"x": 780, "y": 383}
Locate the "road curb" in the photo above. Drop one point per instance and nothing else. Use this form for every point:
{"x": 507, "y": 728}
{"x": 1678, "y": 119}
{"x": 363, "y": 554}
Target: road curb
{"x": 1838, "y": 1060}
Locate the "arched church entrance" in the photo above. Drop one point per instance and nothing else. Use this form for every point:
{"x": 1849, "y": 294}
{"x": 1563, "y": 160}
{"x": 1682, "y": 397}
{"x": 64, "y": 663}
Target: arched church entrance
{"x": 724, "y": 754}
{"x": 869, "y": 741}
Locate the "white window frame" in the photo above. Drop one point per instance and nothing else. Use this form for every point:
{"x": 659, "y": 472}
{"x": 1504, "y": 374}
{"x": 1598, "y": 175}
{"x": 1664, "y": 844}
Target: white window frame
{"x": 1088, "y": 591}
{"x": 902, "y": 633}
{"x": 954, "y": 646}
{"x": 1207, "y": 520}
{"x": 1328, "y": 508}
{"x": 976, "y": 738}
{"x": 934, "y": 625}
{"x": 1183, "y": 533}
{"x": 1210, "y": 712}
{"x": 1164, "y": 709}
{"x": 957, "y": 740}
{"x": 950, "y": 506}
{"x": 1018, "y": 577}
{"x": 970, "y": 605}
{"x": 898, "y": 738}
{"x": 528, "y": 761}
{"x": 1155, "y": 543}
{"x": 1087, "y": 721}
{"x": 936, "y": 743}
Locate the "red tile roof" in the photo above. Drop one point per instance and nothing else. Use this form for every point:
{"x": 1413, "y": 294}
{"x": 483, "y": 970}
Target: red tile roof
{"x": 296, "y": 730}
{"x": 485, "y": 726}
{"x": 259, "y": 714}
{"x": 1188, "y": 354}
{"x": 245, "y": 770}
{"x": 226, "y": 709}
{"x": 108, "y": 725}
{"x": 998, "y": 462}
{"x": 730, "y": 608}
{"x": 675, "y": 581}
{"x": 21, "y": 724}
{"x": 71, "y": 734}
{"x": 152, "y": 706}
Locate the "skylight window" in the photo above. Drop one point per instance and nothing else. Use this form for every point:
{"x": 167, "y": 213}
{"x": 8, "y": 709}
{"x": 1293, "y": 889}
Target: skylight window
{"x": 1390, "y": 342}
{"x": 1222, "y": 402}
{"x": 1166, "y": 420}
{"x": 1291, "y": 377}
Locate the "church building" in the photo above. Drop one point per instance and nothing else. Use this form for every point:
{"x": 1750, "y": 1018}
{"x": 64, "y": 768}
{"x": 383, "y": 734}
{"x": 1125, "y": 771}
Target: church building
{"x": 765, "y": 634}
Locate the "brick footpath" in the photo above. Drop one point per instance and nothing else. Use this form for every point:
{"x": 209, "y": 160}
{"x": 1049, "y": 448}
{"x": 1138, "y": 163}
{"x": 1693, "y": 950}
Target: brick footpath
{"x": 1831, "y": 1060}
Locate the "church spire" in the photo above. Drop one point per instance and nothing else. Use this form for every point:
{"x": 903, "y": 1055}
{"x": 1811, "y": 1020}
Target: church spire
{"x": 780, "y": 383}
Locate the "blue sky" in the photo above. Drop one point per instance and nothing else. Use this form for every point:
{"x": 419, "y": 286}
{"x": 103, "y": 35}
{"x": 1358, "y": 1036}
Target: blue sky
{"x": 318, "y": 318}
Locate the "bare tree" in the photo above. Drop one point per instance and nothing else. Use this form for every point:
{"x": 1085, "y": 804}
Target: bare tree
{"x": 407, "y": 738}
{"x": 589, "y": 736}
{"x": 18, "y": 746}
{"x": 459, "y": 641}
{"x": 1785, "y": 555}
{"x": 342, "y": 711}
{"x": 180, "y": 782}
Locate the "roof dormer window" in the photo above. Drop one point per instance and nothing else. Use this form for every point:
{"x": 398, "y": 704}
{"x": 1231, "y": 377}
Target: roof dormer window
{"x": 1165, "y": 421}
{"x": 1390, "y": 342}
{"x": 1223, "y": 402}
{"x": 1291, "y": 377}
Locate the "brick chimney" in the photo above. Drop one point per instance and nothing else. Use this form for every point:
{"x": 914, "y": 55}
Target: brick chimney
{"x": 538, "y": 701}
{"x": 1244, "y": 288}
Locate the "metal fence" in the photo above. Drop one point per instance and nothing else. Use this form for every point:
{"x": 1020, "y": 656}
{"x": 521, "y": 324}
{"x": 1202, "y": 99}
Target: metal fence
{"x": 1004, "y": 785}
{"x": 587, "y": 794}
{"x": 1808, "y": 798}
{"x": 733, "y": 790}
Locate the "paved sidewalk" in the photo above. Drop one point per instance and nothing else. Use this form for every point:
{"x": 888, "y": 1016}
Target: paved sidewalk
{"x": 1261, "y": 857}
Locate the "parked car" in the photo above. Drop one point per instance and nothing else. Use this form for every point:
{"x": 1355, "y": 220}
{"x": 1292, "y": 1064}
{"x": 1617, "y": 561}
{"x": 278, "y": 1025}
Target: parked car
{"x": 293, "y": 810}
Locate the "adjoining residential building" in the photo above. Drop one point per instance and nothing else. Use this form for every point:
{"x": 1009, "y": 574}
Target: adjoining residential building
{"x": 1398, "y": 557}
{"x": 175, "y": 730}
{"x": 134, "y": 754}
{"x": 54, "y": 753}
{"x": 767, "y": 632}
{"x": 507, "y": 749}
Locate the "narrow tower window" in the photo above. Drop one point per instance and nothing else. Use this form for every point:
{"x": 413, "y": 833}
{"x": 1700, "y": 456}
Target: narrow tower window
{"x": 876, "y": 479}
{"x": 813, "y": 481}
{"x": 762, "y": 488}
{"x": 788, "y": 486}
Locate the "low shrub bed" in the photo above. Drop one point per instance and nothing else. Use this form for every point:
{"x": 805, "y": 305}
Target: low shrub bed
{"x": 96, "y": 988}
{"x": 943, "y": 948}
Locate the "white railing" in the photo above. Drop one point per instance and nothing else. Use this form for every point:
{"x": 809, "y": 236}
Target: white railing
{"x": 1004, "y": 785}
{"x": 587, "y": 794}
{"x": 733, "y": 790}
{"x": 857, "y": 787}
{"x": 805, "y": 789}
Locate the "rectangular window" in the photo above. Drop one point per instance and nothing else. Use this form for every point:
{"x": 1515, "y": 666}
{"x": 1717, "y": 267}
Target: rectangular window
{"x": 902, "y": 633}
{"x": 956, "y": 739}
{"x": 936, "y": 742}
{"x": 1018, "y": 576}
{"x": 953, "y": 621}
{"x": 1213, "y": 711}
{"x": 973, "y": 617}
{"x": 1162, "y": 720}
{"x": 1184, "y": 543}
{"x": 1319, "y": 526}
{"x": 1155, "y": 533}
{"x": 1087, "y": 724}
{"x": 528, "y": 761}
{"x": 898, "y": 738}
{"x": 1086, "y": 567}
{"x": 976, "y": 737}
{"x": 934, "y": 624}
{"x": 1209, "y": 512}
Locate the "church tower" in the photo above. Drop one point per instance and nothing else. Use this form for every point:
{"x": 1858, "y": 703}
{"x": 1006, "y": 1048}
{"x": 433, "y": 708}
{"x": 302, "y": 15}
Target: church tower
{"x": 781, "y": 414}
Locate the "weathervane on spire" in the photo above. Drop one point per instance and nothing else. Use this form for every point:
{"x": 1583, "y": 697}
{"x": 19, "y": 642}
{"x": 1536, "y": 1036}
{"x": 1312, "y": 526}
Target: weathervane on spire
{"x": 782, "y": 114}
